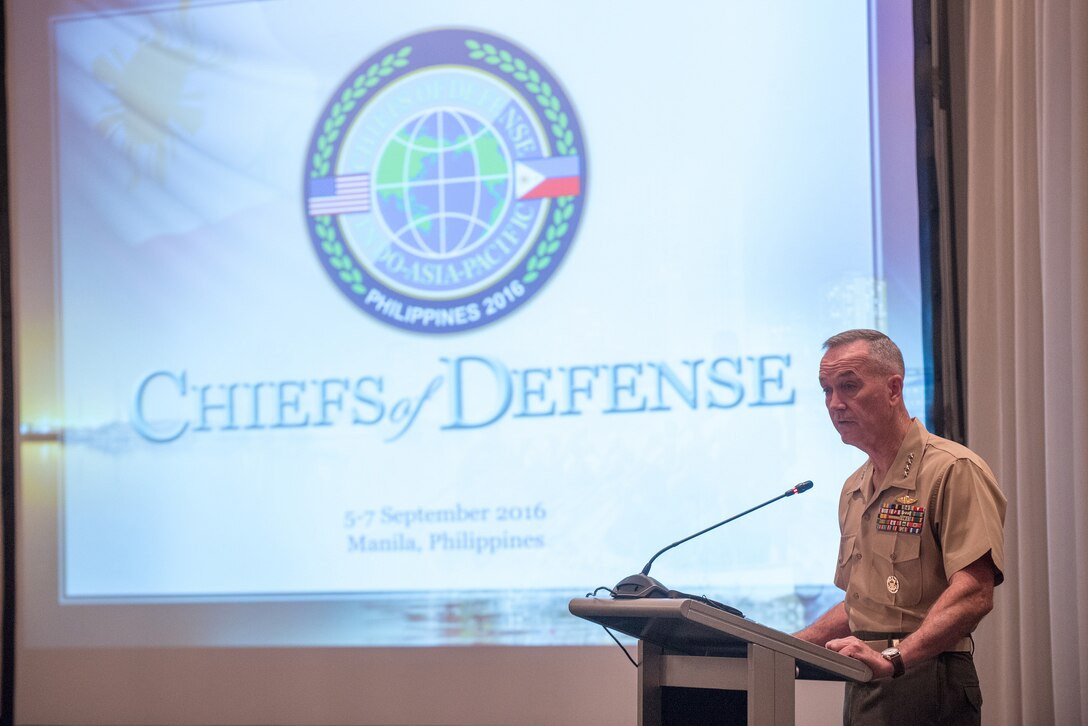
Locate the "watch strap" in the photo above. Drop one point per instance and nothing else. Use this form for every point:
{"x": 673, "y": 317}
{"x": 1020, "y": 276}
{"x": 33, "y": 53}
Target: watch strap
{"x": 893, "y": 656}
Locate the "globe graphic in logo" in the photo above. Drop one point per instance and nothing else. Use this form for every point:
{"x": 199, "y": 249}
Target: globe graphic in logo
{"x": 442, "y": 183}
{"x": 445, "y": 180}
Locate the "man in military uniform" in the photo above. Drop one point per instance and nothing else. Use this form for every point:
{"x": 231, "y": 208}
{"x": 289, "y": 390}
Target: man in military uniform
{"x": 921, "y": 548}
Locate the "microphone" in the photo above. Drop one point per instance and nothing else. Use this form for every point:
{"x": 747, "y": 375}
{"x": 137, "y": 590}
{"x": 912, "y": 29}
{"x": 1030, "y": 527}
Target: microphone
{"x": 642, "y": 585}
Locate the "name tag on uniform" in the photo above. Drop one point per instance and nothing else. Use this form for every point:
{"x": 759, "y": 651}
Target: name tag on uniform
{"x": 899, "y": 517}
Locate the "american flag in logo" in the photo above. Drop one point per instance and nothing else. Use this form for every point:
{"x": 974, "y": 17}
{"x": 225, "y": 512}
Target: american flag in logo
{"x": 338, "y": 194}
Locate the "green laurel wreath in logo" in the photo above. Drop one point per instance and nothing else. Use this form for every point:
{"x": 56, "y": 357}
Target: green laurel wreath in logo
{"x": 331, "y": 127}
{"x": 548, "y": 103}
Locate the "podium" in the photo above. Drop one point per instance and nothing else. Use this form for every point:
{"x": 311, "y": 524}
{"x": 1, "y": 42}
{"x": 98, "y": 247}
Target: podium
{"x": 686, "y": 644}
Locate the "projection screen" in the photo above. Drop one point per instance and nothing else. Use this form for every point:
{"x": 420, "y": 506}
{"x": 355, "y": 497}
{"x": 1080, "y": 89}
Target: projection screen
{"x": 358, "y": 324}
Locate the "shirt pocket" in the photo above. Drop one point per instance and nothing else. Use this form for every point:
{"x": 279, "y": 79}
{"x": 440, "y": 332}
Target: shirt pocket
{"x": 902, "y": 561}
{"x": 846, "y": 560}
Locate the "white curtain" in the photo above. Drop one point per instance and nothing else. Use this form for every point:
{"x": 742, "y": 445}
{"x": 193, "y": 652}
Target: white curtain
{"x": 1027, "y": 343}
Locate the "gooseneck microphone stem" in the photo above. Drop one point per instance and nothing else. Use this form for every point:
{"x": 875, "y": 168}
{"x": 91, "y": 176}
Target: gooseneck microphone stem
{"x": 802, "y": 487}
{"x": 642, "y": 585}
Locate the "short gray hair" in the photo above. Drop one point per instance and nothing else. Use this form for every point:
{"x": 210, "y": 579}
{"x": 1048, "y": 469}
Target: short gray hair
{"x": 886, "y": 356}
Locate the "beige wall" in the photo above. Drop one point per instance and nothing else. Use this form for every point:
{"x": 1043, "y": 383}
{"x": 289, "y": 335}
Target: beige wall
{"x": 478, "y": 686}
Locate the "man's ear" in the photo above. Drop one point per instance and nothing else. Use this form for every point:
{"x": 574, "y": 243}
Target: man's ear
{"x": 895, "y": 389}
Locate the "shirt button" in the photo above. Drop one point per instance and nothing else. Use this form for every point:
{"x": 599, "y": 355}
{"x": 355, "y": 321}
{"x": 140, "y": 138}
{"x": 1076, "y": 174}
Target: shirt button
{"x": 892, "y": 557}
{"x": 865, "y": 516}
{"x": 857, "y": 556}
{"x": 855, "y": 596}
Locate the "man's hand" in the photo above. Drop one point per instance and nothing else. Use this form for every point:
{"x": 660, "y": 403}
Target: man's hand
{"x": 858, "y": 650}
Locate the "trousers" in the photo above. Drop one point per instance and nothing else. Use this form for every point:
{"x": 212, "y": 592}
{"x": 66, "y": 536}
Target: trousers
{"x": 941, "y": 691}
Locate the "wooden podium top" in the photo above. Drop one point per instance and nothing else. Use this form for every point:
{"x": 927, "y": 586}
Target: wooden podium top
{"x": 694, "y": 628}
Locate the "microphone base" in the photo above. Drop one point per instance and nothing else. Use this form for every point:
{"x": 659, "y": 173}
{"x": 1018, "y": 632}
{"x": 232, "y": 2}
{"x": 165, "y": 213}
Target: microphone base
{"x": 638, "y": 586}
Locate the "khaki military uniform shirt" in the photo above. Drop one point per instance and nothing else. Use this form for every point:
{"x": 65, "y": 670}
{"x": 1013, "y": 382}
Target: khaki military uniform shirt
{"x": 938, "y": 510}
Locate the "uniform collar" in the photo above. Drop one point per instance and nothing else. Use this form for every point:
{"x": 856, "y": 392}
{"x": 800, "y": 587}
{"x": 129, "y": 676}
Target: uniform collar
{"x": 903, "y": 473}
{"x": 904, "y": 470}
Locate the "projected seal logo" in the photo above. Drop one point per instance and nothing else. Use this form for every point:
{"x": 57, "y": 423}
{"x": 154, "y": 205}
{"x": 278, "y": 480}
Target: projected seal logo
{"x": 445, "y": 181}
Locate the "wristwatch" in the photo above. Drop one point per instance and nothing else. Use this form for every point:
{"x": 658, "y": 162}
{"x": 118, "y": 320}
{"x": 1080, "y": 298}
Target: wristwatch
{"x": 892, "y": 656}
